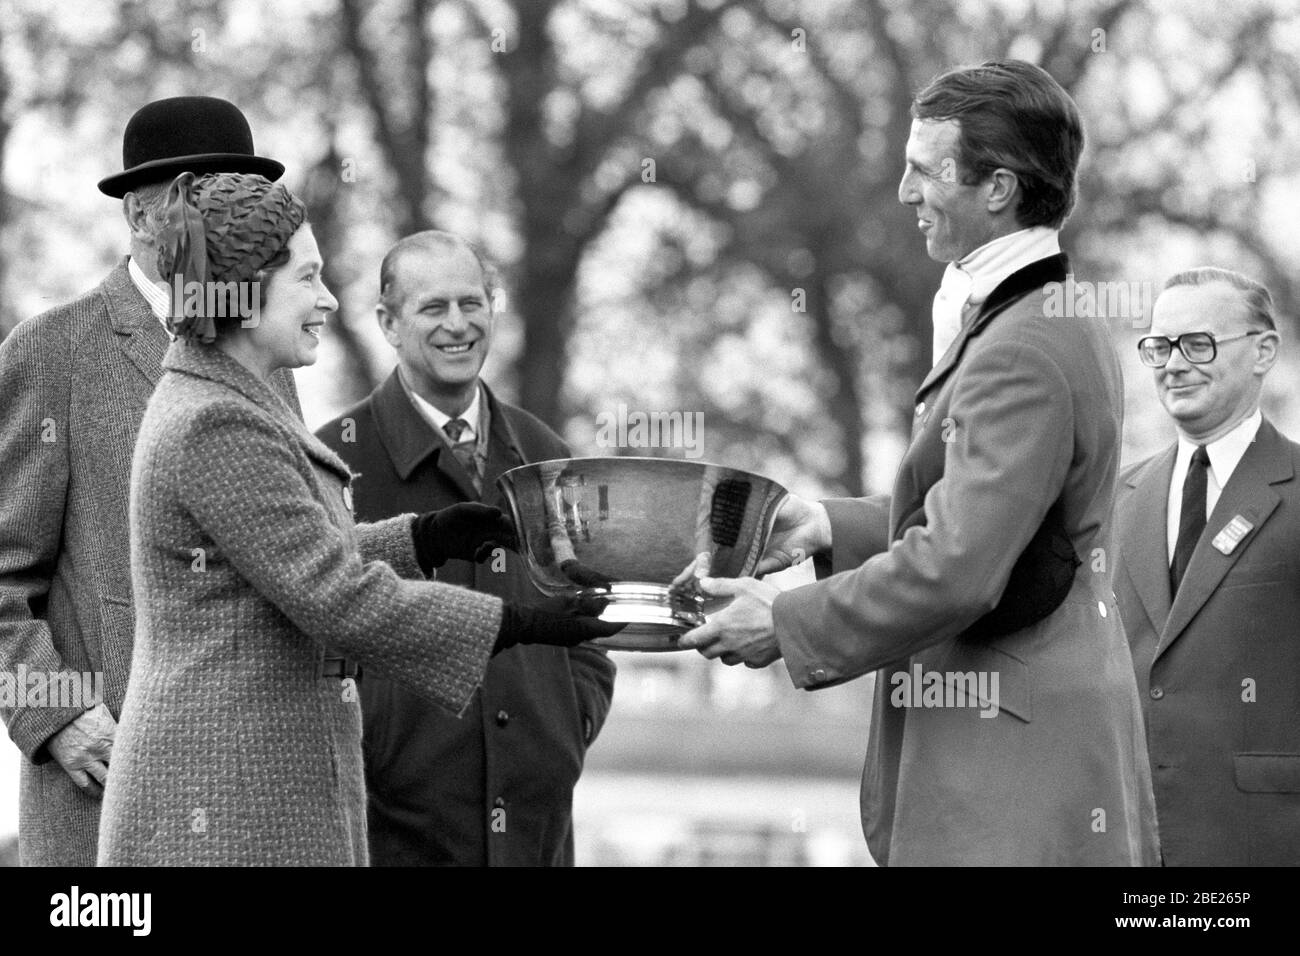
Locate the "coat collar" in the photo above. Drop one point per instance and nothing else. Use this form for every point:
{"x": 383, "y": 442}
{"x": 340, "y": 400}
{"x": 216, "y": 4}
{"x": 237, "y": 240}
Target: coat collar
{"x": 1010, "y": 290}
{"x": 210, "y": 363}
{"x": 409, "y": 439}
{"x": 1248, "y": 493}
{"x": 140, "y": 335}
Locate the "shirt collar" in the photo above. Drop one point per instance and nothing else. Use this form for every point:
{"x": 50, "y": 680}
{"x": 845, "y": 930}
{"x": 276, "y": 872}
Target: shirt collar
{"x": 154, "y": 293}
{"x": 438, "y": 418}
{"x": 998, "y": 258}
{"x": 1226, "y": 452}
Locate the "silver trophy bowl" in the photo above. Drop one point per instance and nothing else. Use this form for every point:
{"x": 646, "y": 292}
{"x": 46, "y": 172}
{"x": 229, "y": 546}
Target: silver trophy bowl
{"x": 628, "y": 528}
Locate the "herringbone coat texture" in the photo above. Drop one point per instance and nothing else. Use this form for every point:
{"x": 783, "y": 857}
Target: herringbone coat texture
{"x": 74, "y": 382}
{"x": 232, "y": 749}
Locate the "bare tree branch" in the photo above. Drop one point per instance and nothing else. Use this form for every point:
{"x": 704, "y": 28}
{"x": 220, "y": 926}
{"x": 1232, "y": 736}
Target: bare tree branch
{"x": 404, "y": 144}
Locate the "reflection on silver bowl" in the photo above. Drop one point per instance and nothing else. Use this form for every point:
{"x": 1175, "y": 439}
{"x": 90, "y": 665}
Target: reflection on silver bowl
{"x": 627, "y": 527}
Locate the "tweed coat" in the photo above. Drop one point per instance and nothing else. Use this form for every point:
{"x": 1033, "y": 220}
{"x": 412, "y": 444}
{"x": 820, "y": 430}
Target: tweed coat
{"x": 233, "y": 749}
{"x": 437, "y": 784}
{"x": 74, "y": 382}
{"x": 1022, "y": 412}
{"x": 1218, "y": 668}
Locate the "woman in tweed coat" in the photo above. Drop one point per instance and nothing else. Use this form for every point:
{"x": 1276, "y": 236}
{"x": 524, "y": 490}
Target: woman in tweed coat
{"x": 233, "y": 747}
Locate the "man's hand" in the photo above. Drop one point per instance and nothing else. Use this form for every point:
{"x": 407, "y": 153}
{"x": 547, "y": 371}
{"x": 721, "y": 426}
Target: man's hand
{"x": 687, "y": 580}
{"x": 743, "y": 631}
{"x": 83, "y": 747}
{"x": 802, "y": 529}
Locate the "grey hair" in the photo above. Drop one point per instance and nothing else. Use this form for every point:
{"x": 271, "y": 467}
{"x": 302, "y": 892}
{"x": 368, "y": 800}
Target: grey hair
{"x": 431, "y": 240}
{"x": 152, "y": 199}
{"x": 1256, "y": 296}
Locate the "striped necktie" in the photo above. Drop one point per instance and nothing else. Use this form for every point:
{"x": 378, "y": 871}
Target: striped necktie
{"x": 464, "y": 450}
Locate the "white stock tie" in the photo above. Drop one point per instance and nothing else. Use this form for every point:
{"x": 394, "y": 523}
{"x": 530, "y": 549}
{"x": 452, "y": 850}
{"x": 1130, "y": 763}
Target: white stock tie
{"x": 949, "y": 302}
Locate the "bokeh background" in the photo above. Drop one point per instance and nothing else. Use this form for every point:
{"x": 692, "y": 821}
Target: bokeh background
{"x": 694, "y": 207}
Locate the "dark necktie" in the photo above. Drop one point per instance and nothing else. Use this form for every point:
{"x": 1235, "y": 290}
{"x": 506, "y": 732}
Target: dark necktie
{"x": 1191, "y": 522}
{"x": 463, "y": 450}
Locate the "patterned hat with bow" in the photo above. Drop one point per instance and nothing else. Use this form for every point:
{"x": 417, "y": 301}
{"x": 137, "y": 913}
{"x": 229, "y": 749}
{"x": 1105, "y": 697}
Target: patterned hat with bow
{"x": 220, "y": 230}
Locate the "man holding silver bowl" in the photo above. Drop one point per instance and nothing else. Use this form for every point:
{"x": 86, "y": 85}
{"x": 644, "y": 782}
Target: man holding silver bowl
{"x": 1006, "y": 726}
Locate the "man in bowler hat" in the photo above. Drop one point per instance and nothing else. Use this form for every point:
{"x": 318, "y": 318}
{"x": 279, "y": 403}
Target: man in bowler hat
{"x": 77, "y": 379}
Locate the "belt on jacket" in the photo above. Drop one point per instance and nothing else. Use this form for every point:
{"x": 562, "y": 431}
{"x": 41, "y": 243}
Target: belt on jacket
{"x": 340, "y": 667}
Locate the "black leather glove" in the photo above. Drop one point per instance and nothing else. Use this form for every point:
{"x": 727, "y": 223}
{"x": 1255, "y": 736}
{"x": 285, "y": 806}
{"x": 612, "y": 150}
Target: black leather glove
{"x": 561, "y": 622}
{"x": 468, "y": 531}
{"x": 579, "y": 573}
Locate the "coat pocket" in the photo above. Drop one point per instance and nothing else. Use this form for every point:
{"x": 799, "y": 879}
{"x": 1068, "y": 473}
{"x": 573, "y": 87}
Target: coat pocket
{"x": 1267, "y": 773}
{"x": 117, "y": 621}
{"x": 997, "y": 679}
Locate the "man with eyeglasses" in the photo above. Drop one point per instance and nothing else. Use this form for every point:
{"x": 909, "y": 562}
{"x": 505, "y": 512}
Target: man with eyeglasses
{"x": 1207, "y": 577}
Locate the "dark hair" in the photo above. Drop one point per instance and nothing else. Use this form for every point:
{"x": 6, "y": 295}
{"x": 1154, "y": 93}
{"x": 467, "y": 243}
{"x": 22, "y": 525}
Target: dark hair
{"x": 1014, "y": 116}
{"x": 1259, "y": 303}
{"x": 430, "y": 240}
{"x": 263, "y": 275}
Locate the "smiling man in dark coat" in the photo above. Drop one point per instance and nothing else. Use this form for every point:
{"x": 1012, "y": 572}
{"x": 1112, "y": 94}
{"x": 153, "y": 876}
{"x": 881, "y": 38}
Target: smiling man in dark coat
{"x": 495, "y": 787}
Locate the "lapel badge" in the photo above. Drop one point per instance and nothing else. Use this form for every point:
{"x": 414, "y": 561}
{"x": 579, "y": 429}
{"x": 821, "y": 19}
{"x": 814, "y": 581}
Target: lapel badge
{"x": 1227, "y": 539}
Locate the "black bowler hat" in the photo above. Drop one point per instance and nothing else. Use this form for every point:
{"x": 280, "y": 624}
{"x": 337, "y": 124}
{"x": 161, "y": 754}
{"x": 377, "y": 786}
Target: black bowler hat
{"x": 186, "y": 134}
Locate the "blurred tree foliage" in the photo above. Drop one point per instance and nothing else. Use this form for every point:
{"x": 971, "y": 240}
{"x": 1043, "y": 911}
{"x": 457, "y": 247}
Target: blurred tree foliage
{"x": 695, "y": 203}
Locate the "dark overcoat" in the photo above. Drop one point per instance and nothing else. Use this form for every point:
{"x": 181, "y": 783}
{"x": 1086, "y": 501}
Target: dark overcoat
{"x": 1218, "y": 668}
{"x": 235, "y": 748}
{"x": 494, "y": 787}
{"x": 1022, "y": 413}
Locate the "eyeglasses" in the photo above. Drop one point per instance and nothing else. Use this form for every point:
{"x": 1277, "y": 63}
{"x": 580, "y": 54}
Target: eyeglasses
{"x": 1199, "y": 348}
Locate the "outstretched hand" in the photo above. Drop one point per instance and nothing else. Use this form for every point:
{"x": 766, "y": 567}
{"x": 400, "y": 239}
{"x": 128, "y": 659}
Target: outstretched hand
{"x": 802, "y": 529}
{"x": 743, "y": 632}
{"x": 561, "y": 622}
{"x": 468, "y": 531}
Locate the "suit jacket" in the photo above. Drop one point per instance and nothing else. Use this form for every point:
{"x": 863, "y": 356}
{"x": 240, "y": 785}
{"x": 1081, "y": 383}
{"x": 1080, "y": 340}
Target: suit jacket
{"x": 1218, "y": 668}
{"x": 496, "y": 786}
{"x": 76, "y": 380}
{"x": 233, "y": 749}
{"x": 1021, "y": 413}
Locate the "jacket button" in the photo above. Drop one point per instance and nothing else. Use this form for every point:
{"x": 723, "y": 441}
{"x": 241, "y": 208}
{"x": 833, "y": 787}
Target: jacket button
{"x": 1101, "y": 608}
{"x": 920, "y": 409}
{"x": 347, "y": 497}
{"x": 1157, "y": 693}
{"x": 818, "y": 675}
{"x": 499, "y": 802}
{"x": 503, "y": 718}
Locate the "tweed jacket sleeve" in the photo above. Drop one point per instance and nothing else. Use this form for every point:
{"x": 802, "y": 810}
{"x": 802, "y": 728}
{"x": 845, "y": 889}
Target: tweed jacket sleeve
{"x": 391, "y": 541}
{"x": 250, "y": 490}
{"x": 33, "y": 490}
